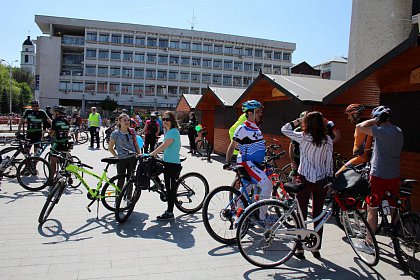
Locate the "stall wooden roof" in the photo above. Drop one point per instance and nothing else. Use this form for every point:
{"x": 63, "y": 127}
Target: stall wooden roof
{"x": 188, "y": 102}
{"x": 303, "y": 90}
{"x": 389, "y": 74}
{"x": 219, "y": 96}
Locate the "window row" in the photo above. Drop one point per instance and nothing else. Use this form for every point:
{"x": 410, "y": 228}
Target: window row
{"x": 185, "y": 45}
{"x": 136, "y": 89}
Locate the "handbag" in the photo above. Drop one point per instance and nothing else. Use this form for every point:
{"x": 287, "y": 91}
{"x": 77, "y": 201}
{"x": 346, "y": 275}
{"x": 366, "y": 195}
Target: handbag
{"x": 350, "y": 182}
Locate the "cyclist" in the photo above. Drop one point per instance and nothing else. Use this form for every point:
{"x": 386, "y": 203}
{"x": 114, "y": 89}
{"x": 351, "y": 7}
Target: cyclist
{"x": 192, "y": 132}
{"x": 250, "y": 142}
{"x": 362, "y": 141}
{"x": 172, "y": 164}
{"x": 385, "y": 162}
{"x": 60, "y": 136}
{"x": 151, "y": 131}
{"x": 35, "y": 118}
{"x": 94, "y": 124}
{"x": 316, "y": 165}
{"x": 77, "y": 122}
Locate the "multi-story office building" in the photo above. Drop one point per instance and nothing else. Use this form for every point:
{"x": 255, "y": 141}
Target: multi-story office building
{"x": 81, "y": 62}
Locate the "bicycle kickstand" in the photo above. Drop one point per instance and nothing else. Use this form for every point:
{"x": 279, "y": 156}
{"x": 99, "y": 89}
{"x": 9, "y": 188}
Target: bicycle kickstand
{"x": 97, "y": 210}
{"x": 90, "y": 204}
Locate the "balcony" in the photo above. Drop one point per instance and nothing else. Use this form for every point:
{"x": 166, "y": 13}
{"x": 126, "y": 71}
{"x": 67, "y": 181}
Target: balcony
{"x": 73, "y": 40}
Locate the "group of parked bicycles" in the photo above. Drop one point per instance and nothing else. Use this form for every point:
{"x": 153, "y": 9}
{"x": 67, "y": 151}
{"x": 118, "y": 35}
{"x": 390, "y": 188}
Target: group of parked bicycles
{"x": 231, "y": 215}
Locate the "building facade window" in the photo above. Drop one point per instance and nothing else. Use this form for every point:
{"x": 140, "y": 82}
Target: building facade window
{"x": 217, "y": 79}
{"x": 185, "y": 45}
{"x": 103, "y": 54}
{"x": 103, "y": 38}
{"x": 90, "y": 86}
{"x": 257, "y": 67}
{"x": 150, "y": 74}
{"x": 138, "y": 89}
{"x": 140, "y": 41}
{"x": 174, "y": 45}
{"x": 228, "y": 50}
{"x": 195, "y": 91}
{"x": 258, "y": 53}
{"x": 237, "y": 66}
{"x": 162, "y": 75}
{"x": 218, "y": 49}
{"x": 174, "y": 60}
{"x": 287, "y": 57}
{"x": 114, "y": 88}
{"x": 185, "y": 76}
{"x": 116, "y": 55}
{"x": 90, "y": 70}
{"x": 268, "y": 54}
{"x": 139, "y": 73}
{"x": 183, "y": 90}
{"x": 163, "y": 43}
{"x": 196, "y": 62}
{"x": 207, "y": 48}
{"x": 196, "y": 47}
{"x": 172, "y": 90}
{"x": 139, "y": 57}
{"x": 103, "y": 71}
{"x": 195, "y": 77}
{"x": 91, "y": 36}
{"x": 163, "y": 59}
{"x": 91, "y": 53}
{"x": 277, "y": 55}
{"x": 185, "y": 61}
{"x": 149, "y": 89}
{"x": 237, "y": 81}
{"x": 103, "y": 87}
{"x": 227, "y": 80}
{"x": 248, "y": 67}
{"x": 78, "y": 87}
{"x": 277, "y": 70}
{"x": 126, "y": 89}
{"x": 248, "y": 52}
{"x": 127, "y": 72}
{"x": 128, "y": 56}
{"x": 206, "y": 63}
{"x": 116, "y": 39}
{"x": 128, "y": 39}
{"x": 247, "y": 81}
{"x": 151, "y": 42}
{"x": 217, "y": 64}
{"x": 206, "y": 78}
{"x": 285, "y": 71}
{"x": 115, "y": 72}
{"x": 173, "y": 76}
{"x": 227, "y": 65}
{"x": 151, "y": 58}
{"x": 267, "y": 68}
{"x": 64, "y": 85}
{"x": 239, "y": 51}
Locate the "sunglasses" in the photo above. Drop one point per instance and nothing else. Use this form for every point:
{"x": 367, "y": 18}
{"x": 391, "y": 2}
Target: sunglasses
{"x": 166, "y": 119}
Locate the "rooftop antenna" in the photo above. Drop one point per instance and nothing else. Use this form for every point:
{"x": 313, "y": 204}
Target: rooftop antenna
{"x": 193, "y": 21}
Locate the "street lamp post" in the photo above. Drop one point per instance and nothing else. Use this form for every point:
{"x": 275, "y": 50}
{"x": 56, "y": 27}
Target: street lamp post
{"x": 10, "y": 84}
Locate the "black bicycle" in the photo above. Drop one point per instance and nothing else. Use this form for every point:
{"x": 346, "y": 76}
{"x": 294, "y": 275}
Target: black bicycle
{"x": 204, "y": 148}
{"x": 191, "y": 188}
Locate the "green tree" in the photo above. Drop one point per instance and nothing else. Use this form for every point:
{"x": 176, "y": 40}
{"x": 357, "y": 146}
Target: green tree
{"x": 23, "y": 76}
{"x": 108, "y": 105}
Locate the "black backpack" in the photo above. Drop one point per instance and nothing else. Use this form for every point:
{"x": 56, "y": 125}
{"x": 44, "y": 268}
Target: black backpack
{"x": 144, "y": 173}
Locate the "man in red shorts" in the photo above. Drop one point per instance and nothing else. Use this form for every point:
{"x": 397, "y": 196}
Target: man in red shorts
{"x": 385, "y": 162}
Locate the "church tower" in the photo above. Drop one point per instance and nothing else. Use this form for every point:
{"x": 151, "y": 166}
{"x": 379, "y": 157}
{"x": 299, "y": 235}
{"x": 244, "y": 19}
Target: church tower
{"x": 27, "y": 56}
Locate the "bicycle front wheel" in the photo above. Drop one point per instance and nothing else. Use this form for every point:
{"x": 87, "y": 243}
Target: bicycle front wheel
{"x": 407, "y": 243}
{"x": 221, "y": 210}
{"x": 109, "y": 193}
{"x": 191, "y": 191}
{"x": 266, "y": 242}
{"x": 83, "y": 137}
{"x": 360, "y": 236}
{"x": 34, "y": 173}
{"x": 52, "y": 200}
{"x": 126, "y": 201}
{"x": 10, "y": 170}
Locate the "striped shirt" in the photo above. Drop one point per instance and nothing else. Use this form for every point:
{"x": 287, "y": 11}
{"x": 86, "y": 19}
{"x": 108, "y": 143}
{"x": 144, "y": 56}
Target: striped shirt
{"x": 316, "y": 163}
{"x": 251, "y": 143}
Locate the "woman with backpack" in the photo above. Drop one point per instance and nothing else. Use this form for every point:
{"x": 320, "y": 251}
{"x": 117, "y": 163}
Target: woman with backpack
{"x": 151, "y": 131}
{"x": 124, "y": 138}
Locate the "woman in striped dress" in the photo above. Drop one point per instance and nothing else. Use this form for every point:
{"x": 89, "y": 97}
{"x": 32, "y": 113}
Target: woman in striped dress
{"x": 316, "y": 165}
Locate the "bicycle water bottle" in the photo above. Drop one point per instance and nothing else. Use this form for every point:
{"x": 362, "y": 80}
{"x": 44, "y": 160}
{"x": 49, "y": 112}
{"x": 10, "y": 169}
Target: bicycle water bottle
{"x": 385, "y": 207}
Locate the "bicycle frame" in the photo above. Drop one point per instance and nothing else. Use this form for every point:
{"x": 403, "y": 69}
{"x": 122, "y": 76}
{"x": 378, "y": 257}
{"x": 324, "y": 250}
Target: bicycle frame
{"x": 74, "y": 169}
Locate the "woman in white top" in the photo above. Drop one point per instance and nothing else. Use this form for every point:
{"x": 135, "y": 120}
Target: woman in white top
{"x": 316, "y": 165}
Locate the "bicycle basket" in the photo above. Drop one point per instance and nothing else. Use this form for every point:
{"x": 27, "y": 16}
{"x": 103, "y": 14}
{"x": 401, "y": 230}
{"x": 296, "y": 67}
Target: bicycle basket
{"x": 351, "y": 183}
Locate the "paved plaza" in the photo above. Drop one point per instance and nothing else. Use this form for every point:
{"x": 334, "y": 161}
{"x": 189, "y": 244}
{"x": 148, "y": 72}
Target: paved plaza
{"x": 73, "y": 244}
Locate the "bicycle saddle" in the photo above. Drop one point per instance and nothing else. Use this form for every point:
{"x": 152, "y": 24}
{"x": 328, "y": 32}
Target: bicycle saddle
{"x": 110, "y": 160}
{"x": 293, "y": 188}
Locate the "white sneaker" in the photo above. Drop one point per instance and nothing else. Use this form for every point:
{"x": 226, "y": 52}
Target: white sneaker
{"x": 363, "y": 247}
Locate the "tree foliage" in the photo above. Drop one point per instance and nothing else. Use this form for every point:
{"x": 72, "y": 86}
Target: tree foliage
{"x": 108, "y": 104}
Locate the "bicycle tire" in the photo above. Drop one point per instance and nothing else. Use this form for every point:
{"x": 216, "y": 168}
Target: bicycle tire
{"x": 286, "y": 170}
{"x": 128, "y": 198}
{"x": 406, "y": 243}
{"x": 83, "y": 137}
{"x": 105, "y": 142}
{"x": 188, "y": 188}
{"x": 276, "y": 248}
{"x": 201, "y": 149}
{"x": 29, "y": 170}
{"x": 216, "y": 211}
{"x": 11, "y": 171}
{"x": 355, "y": 227}
{"x": 75, "y": 182}
{"x": 109, "y": 194}
{"x": 52, "y": 199}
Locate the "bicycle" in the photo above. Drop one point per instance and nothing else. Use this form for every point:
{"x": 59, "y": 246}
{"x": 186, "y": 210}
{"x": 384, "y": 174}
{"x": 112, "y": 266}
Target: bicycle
{"x": 106, "y": 189}
{"x": 224, "y": 205}
{"x": 204, "y": 148}
{"x": 270, "y": 242}
{"x": 62, "y": 164}
{"x": 107, "y": 135}
{"x": 189, "y": 185}
{"x": 83, "y": 136}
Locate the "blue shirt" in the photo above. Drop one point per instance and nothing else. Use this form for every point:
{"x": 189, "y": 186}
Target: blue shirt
{"x": 159, "y": 121}
{"x": 171, "y": 153}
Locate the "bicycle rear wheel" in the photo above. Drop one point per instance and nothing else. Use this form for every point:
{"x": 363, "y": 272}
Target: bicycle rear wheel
{"x": 359, "y": 234}
{"x": 267, "y": 243}
{"x": 34, "y": 173}
{"x": 83, "y": 137}
{"x": 221, "y": 209}
{"x": 126, "y": 201}
{"x": 109, "y": 193}
{"x": 75, "y": 182}
{"x": 407, "y": 243}
{"x": 52, "y": 200}
{"x": 191, "y": 191}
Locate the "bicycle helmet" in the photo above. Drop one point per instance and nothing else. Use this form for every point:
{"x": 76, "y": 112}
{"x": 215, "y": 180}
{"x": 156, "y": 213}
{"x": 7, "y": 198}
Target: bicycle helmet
{"x": 382, "y": 112}
{"x": 34, "y": 102}
{"x": 48, "y": 107}
{"x": 59, "y": 109}
{"x": 153, "y": 114}
{"x": 251, "y": 105}
{"x": 355, "y": 109}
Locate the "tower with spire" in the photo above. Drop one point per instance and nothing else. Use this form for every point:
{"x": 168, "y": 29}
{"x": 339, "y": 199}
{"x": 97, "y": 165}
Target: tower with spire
{"x": 27, "y": 56}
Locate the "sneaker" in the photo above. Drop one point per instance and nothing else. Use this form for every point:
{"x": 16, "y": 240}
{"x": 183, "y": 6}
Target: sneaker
{"x": 190, "y": 152}
{"x": 363, "y": 247}
{"x": 166, "y": 216}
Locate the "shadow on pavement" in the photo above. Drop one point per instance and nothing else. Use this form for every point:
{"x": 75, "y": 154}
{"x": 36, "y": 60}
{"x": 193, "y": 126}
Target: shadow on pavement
{"x": 224, "y": 250}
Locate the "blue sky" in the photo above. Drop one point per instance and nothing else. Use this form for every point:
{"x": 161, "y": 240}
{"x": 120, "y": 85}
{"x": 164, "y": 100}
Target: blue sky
{"x": 319, "y": 28}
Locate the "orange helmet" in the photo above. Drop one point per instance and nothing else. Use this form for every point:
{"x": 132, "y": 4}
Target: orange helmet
{"x": 355, "y": 109}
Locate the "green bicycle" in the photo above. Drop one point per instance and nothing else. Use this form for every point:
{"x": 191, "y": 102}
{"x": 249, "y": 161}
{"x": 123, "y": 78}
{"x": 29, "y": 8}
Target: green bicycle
{"x": 106, "y": 189}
